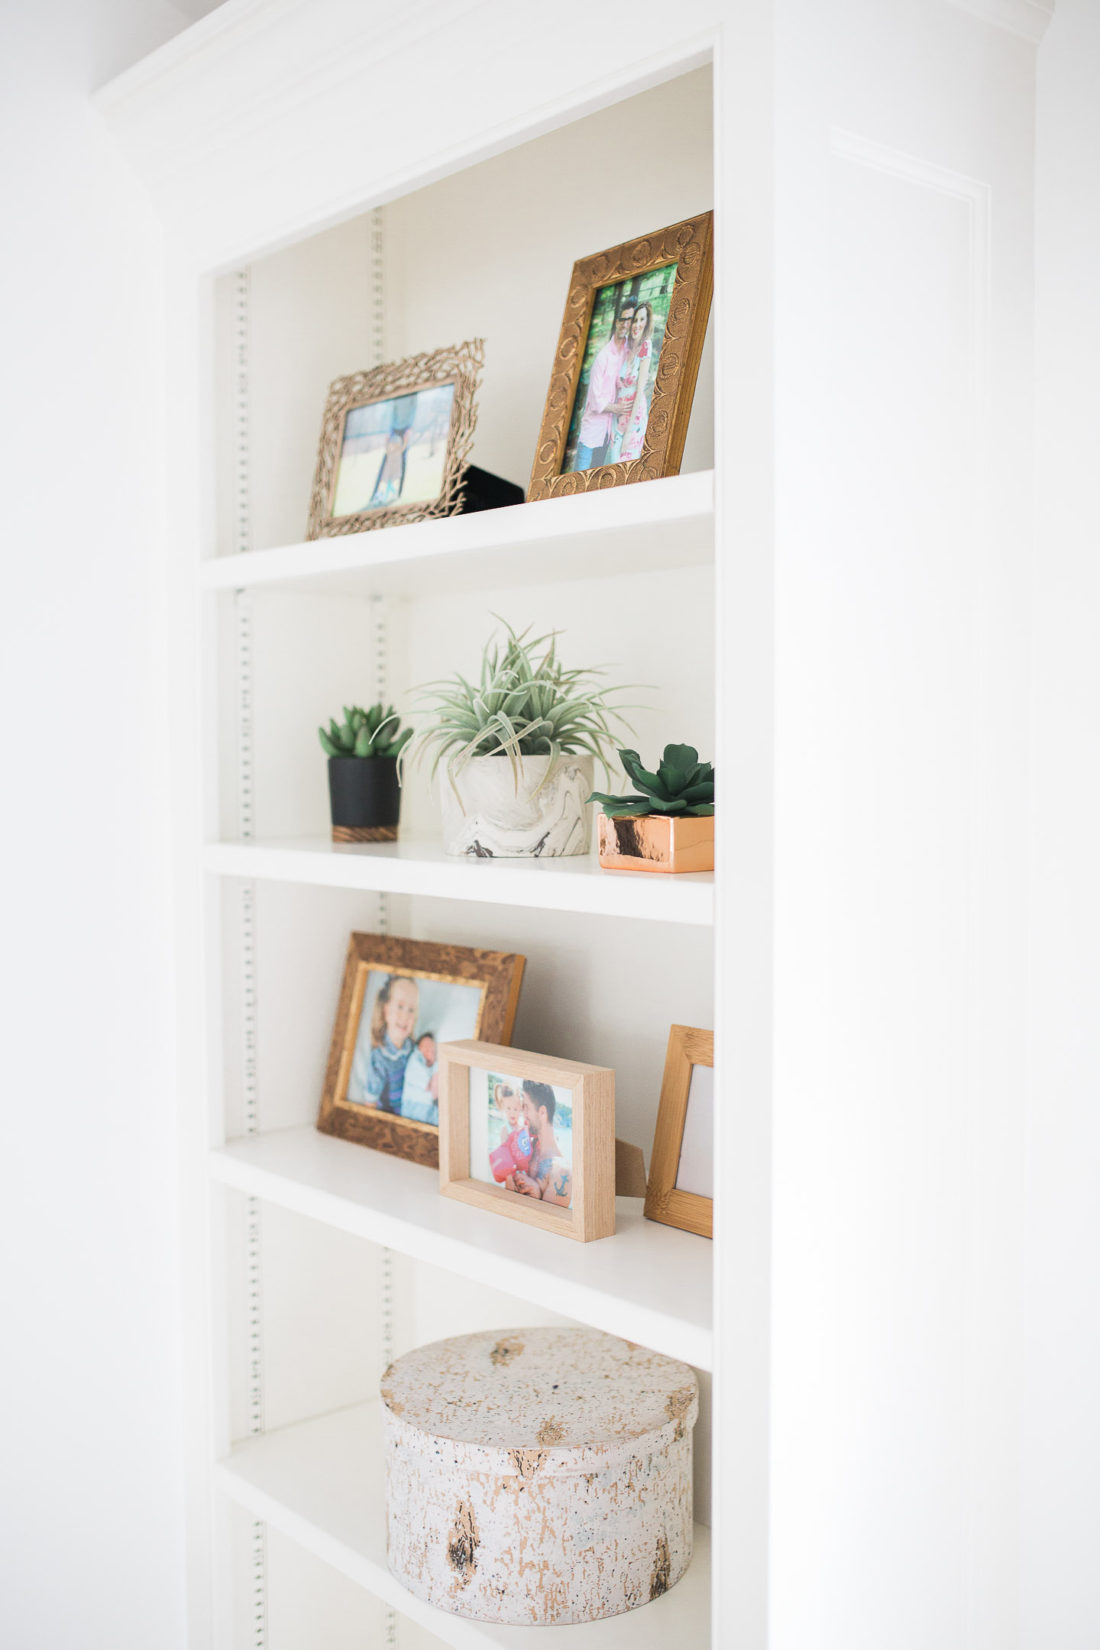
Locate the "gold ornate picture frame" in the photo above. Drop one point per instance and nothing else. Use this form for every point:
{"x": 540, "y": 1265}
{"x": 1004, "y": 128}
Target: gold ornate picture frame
{"x": 646, "y": 362}
{"x": 401, "y": 1000}
{"x": 395, "y": 442}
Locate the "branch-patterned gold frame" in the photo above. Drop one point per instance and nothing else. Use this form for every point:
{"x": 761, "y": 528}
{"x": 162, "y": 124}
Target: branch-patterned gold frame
{"x": 459, "y": 365}
{"x": 689, "y": 245}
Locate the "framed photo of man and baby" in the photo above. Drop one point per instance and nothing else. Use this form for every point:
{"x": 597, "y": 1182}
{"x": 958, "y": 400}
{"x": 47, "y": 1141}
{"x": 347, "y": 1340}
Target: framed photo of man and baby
{"x": 626, "y": 363}
{"x": 529, "y": 1137}
{"x": 401, "y": 1000}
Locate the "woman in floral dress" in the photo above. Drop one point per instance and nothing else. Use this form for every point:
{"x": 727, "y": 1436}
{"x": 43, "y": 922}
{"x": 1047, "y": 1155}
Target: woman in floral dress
{"x": 634, "y": 383}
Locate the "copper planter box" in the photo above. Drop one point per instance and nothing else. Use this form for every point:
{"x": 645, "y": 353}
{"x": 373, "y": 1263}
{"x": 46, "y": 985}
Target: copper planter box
{"x": 656, "y": 842}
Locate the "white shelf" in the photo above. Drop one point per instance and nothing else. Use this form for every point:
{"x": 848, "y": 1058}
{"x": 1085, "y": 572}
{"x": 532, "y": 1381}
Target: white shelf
{"x": 648, "y": 1283}
{"x": 414, "y": 867}
{"x": 635, "y": 529}
{"x": 320, "y": 1483}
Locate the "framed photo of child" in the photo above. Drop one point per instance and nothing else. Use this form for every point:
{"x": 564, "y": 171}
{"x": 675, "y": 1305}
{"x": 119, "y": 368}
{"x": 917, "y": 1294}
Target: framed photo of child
{"x": 401, "y": 1000}
{"x": 395, "y": 442}
{"x": 529, "y": 1137}
{"x": 628, "y": 356}
{"x": 681, "y": 1175}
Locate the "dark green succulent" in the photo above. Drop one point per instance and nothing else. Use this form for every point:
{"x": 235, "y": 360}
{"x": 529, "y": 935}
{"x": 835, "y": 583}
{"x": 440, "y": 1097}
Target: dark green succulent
{"x": 370, "y": 732}
{"x": 682, "y": 785}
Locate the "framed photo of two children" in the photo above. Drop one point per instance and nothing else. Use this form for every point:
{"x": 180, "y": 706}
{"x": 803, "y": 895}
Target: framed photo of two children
{"x": 401, "y": 1000}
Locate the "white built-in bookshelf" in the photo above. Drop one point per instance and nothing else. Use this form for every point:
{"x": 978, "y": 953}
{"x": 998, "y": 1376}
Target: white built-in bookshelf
{"x": 820, "y": 599}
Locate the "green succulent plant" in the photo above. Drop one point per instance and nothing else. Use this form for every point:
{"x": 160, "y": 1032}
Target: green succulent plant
{"x": 525, "y": 704}
{"x": 682, "y": 785}
{"x": 370, "y": 732}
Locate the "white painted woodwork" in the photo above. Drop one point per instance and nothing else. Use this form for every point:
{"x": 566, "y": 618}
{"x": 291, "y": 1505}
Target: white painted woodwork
{"x": 1060, "y": 1447}
{"x": 666, "y": 525}
{"x": 422, "y": 868}
{"x": 868, "y": 588}
{"x": 90, "y": 1434}
{"x": 321, "y": 1484}
{"x": 308, "y": 1601}
{"x": 321, "y": 1287}
{"x": 330, "y": 84}
{"x": 648, "y": 1283}
{"x": 1027, "y": 18}
{"x": 900, "y": 584}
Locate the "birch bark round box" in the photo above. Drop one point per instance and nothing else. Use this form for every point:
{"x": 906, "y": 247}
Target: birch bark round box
{"x": 537, "y": 810}
{"x": 538, "y": 1476}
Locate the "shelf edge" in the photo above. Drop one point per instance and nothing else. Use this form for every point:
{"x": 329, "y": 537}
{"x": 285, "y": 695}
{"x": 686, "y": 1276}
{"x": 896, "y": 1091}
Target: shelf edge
{"x": 544, "y": 521}
{"x": 648, "y": 1326}
{"x": 459, "y": 1632}
{"x": 691, "y": 904}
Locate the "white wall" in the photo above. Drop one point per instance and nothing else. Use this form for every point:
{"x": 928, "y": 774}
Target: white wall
{"x": 903, "y": 385}
{"x": 1061, "y": 1518}
{"x": 90, "y": 1505}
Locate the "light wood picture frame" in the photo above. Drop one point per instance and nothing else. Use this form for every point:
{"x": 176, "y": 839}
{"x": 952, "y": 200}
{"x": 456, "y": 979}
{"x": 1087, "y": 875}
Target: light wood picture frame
{"x": 667, "y": 1200}
{"x": 669, "y": 274}
{"x": 380, "y": 1088}
{"x": 395, "y": 442}
{"x": 477, "y": 1128}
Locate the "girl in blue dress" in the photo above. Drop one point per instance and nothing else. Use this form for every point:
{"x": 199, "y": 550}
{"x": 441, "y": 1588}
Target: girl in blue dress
{"x": 378, "y": 1072}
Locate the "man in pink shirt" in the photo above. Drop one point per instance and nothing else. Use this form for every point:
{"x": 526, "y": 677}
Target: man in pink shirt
{"x": 600, "y": 402}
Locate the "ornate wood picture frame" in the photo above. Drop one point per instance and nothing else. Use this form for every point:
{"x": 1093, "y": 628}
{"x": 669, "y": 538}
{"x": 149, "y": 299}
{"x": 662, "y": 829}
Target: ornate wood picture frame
{"x": 395, "y": 442}
{"x": 400, "y": 1001}
{"x": 649, "y": 369}
{"x": 528, "y": 1137}
{"x": 683, "y": 1157}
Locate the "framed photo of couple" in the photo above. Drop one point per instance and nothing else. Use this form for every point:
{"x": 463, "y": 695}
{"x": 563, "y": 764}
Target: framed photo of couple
{"x": 627, "y": 359}
{"x": 529, "y": 1137}
{"x": 401, "y": 1000}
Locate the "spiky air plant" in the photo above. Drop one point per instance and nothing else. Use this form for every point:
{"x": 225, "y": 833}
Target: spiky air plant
{"x": 526, "y": 703}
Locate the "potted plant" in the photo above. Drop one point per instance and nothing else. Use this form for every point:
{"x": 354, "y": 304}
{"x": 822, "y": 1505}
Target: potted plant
{"x": 519, "y": 748}
{"x": 668, "y": 825}
{"x": 363, "y": 782}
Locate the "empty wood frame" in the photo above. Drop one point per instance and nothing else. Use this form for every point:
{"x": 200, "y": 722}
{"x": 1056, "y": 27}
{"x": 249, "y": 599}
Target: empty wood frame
{"x": 681, "y": 1175}
{"x": 528, "y": 1137}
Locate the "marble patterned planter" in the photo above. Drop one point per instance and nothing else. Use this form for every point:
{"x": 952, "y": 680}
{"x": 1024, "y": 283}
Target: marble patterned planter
{"x": 491, "y": 817}
{"x": 538, "y": 1476}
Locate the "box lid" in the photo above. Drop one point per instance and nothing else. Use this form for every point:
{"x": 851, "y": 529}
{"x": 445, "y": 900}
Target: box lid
{"x": 575, "y": 1398}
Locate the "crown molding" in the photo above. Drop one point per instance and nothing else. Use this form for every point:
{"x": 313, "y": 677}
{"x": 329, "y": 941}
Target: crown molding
{"x": 269, "y": 116}
{"x": 1028, "y": 19}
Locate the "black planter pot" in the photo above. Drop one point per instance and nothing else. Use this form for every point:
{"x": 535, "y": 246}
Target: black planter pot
{"x": 366, "y": 798}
